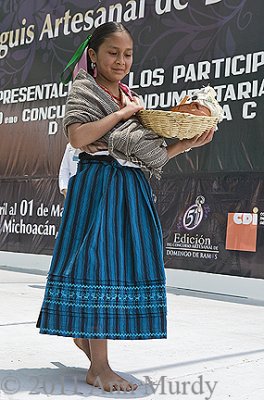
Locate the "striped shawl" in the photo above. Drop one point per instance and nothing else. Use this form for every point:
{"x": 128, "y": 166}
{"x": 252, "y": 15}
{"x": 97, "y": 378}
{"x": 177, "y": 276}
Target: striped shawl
{"x": 128, "y": 140}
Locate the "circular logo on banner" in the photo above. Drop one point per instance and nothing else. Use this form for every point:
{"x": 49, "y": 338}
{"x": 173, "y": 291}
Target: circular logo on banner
{"x": 194, "y": 215}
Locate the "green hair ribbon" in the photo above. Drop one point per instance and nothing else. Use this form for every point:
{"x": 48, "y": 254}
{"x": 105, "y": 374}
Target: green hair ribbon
{"x": 74, "y": 60}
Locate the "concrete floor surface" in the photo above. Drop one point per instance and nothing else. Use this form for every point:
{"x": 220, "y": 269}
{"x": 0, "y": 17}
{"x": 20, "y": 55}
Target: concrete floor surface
{"x": 214, "y": 350}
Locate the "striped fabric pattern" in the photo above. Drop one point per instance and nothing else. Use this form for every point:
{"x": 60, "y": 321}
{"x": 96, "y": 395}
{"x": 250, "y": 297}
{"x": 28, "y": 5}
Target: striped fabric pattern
{"x": 107, "y": 277}
{"x": 128, "y": 140}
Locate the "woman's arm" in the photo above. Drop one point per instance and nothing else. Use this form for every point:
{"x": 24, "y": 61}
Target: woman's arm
{"x": 81, "y": 135}
{"x": 185, "y": 144}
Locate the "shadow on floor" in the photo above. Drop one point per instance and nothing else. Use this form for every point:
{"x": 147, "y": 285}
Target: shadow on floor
{"x": 214, "y": 296}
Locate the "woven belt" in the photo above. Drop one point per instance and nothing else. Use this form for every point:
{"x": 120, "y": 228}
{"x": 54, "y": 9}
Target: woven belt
{"x": 102, "y": 157}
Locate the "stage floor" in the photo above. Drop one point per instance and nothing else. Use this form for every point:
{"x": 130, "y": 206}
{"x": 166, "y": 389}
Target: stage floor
{"x": 214, "y": 350}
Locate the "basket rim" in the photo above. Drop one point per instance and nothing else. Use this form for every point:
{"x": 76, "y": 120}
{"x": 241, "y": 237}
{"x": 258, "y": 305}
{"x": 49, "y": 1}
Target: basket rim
{"x": 175, "y": 114}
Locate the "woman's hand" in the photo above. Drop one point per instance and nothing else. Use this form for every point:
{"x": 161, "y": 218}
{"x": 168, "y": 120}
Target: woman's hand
{"x": 198, "y": 141}
{"x": 186, "y": 144}
{"x": 130, "y": 109}
{"x": 94, "y": 147}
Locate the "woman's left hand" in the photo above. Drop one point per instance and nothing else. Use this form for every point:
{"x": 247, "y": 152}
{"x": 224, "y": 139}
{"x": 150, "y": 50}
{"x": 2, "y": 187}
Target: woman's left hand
{"x": 198, "y": 141}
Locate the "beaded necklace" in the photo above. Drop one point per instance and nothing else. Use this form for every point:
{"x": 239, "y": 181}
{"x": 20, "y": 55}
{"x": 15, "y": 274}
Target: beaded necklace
{"x": 117, "y": 100}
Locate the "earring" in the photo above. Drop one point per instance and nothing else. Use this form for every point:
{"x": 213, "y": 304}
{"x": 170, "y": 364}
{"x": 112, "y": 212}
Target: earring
{"x": 93, "y": 65}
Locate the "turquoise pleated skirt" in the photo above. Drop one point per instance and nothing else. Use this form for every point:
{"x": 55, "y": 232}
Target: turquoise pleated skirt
{"x": 107, "y": 278}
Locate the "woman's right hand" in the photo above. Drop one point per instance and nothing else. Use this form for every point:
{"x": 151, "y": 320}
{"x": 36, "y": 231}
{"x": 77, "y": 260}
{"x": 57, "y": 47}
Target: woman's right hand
{"x": 130, "y": 109}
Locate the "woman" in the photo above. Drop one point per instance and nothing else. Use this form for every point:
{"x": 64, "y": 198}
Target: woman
{"x": 107, "y": 279}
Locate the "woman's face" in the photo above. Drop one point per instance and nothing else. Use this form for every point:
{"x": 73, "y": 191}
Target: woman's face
{"x": 114, "y": 57}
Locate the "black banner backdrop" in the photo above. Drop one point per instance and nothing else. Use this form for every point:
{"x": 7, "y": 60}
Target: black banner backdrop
{"x": 210, "y": 200}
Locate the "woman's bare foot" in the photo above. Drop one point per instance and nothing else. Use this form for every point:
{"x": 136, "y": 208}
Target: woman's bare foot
{"x": 108, "y": 380}
{"x": 84, "y": 345}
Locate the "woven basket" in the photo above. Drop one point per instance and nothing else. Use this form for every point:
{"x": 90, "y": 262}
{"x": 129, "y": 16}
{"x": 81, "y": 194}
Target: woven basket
{"x": 171, "y": 124}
